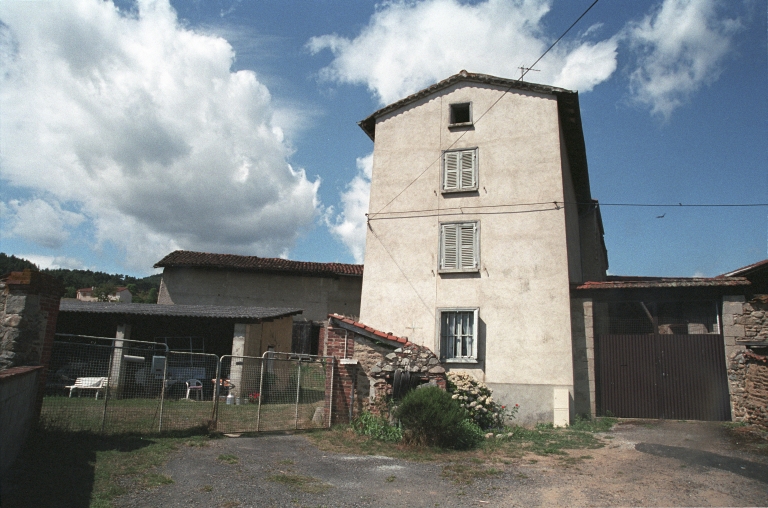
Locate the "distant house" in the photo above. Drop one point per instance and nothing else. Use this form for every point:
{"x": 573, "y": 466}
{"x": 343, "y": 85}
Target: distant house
{"x": 200, "y": 278}
{"x": 121, "y": 294}
{"x": 86, "y": 295}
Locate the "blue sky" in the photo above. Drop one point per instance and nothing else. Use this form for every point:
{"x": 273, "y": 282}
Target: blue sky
{"x": 132, "y": 130}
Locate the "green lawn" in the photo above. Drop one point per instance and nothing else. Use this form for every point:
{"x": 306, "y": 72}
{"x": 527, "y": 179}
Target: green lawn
{"x": 144, "y": 415}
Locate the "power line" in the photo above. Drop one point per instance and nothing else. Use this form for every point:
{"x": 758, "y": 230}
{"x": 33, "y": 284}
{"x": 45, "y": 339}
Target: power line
{"x": 551, "y": 205}
{"x": 485, "y": 112}
{"x": 558, "y": 40}
{"x": 678, "y": 205}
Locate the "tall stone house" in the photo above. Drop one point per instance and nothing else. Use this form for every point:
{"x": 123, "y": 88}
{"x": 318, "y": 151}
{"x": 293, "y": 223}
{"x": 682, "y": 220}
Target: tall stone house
{"x": 480, "y": 222}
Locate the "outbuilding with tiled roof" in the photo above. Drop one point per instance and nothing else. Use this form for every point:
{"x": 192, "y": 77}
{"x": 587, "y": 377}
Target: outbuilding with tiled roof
{"x": 203, "y": 278}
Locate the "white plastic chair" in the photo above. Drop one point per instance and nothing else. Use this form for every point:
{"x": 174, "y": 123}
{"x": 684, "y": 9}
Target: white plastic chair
{"x": 195, "y": 385}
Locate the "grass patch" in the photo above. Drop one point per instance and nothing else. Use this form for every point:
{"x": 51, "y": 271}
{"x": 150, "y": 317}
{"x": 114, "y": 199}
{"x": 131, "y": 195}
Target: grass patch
{"x": 144, "y": 415}
{"x": 603, "y": 424}
{"x": 228, "y": 459}
{"x": 306, "y": 484}
{"x": 542, "y": 440}
{"x": 90, "y": 469}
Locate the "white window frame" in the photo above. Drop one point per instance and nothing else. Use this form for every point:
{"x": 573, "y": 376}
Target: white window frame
{"x": 466, "y": 341}
{"x": 460, "y": 170}
{"x": 459, "y": 247}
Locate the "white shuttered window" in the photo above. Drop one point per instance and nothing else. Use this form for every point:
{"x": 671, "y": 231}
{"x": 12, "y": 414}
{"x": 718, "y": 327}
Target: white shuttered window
{"x": 459, "y": 246}
{"x": 460, "y": 170}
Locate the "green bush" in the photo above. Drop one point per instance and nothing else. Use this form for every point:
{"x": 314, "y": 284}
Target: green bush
{"x": 376, "y": 427}
{"x": 431, "y": 417}
{"x": 469, "y": 435}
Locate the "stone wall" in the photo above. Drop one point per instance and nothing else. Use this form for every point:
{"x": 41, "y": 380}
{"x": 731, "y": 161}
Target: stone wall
{"x": 748, "y": 376}
{"x": 745, "y": 331}
{"x": 365, "y": 370}
{"x": 29, "y": 306}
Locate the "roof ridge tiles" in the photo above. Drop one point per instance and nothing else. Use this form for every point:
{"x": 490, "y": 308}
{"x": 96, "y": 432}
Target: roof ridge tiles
{"x": 388, "y": 336}
{"x": 192, "y": 259}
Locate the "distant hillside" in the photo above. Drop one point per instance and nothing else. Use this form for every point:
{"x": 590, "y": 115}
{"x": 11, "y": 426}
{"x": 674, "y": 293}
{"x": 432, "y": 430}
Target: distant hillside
{"x": 144, "y": 290}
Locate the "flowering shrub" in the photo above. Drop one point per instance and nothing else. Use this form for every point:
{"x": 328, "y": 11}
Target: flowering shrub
{"x": 475, "y": 398}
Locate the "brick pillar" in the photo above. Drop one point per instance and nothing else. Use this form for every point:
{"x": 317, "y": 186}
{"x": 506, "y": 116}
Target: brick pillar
{"x": 334, "y": 342}
{"x": 29, "y": 307}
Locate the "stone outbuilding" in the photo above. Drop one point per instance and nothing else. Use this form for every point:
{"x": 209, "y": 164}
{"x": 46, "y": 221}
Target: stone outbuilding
{"x": 373, "y": 366}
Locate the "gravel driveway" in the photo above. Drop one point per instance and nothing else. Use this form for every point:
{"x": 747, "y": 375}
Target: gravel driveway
{"x": 643, "y": 463}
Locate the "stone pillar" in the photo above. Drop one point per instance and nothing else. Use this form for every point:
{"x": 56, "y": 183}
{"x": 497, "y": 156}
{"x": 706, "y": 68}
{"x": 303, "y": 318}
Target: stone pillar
{"x": 29, "y": 306}
{"x": 238, "y": 351}
{"x": 117, "y": 374}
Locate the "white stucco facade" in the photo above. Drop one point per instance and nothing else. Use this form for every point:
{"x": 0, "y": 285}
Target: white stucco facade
{"x": 528, "y": 235}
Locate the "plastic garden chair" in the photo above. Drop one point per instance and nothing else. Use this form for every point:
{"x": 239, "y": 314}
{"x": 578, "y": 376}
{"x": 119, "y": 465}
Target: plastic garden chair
{"x": 195, "y": 385}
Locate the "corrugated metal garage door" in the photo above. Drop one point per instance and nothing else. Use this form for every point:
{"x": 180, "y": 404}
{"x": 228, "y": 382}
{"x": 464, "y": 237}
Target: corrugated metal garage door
{"x": 670, "y": 376}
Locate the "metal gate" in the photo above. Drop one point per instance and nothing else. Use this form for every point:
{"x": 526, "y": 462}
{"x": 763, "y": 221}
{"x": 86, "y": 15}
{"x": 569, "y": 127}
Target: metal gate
{"x": 278, "y": 391}
{"x": 667, "y": 376}
{"x": 102, "y": 384}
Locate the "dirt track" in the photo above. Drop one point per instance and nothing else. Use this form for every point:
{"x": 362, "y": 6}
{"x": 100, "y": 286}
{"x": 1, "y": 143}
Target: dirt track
{"x": 643, "y": 463}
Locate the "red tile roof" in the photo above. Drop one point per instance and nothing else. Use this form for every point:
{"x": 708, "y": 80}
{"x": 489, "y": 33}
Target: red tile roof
{"x": 620, "y": 282}
{"x": 189, "y": 259}
{"x": 367, "y": 331}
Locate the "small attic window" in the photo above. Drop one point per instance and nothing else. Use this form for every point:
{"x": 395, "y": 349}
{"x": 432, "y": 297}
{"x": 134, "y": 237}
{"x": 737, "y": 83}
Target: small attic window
{"x": 461, "y": 114}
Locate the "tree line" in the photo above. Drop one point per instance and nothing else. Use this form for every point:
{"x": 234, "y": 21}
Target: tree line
{"x": 143, "y": 290}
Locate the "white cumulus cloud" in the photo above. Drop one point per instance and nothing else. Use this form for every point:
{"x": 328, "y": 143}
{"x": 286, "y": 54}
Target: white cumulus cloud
{"x": 53, "y": 262}
{"x": 141, "y": 124}
{"x": 349, "y": 224}
{"x": 43, "y": 222}
{"x": 680, "y": 46}
{"x": 409, "y": 45}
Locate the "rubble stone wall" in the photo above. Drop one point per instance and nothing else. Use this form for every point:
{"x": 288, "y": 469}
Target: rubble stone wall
{"x": 365, "y": 370}
{"x": 748, "y": 376}
{"x": 745, "y": 330}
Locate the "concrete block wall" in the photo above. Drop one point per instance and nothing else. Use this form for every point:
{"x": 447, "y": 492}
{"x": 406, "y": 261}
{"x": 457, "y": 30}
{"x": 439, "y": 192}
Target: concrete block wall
{"x": 583, "y": 333}
{"x": 18, "y": 390}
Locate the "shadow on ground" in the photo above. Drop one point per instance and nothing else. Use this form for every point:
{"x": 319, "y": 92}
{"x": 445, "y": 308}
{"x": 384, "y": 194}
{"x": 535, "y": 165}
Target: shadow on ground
{"x": 691, "y": 457}
{"x": 57, "y": 469}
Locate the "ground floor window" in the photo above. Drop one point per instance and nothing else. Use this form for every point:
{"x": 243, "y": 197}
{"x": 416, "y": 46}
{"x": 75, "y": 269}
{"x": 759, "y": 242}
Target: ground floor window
{"x": 458, "y": 334}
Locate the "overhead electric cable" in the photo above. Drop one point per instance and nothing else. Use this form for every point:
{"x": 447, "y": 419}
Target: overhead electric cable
{"x": 485, "y": 112}
{"x": 558, "y": 40}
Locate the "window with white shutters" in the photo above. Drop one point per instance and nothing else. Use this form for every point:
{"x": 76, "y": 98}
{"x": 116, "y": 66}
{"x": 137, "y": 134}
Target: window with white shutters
{"x": 459, "y": 247}
{"x": 460, "y": 170}
{"x": 458, "y": 335}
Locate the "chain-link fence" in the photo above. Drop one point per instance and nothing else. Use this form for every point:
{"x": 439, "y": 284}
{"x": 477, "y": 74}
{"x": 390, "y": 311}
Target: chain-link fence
{"x": 278, "y": 391}
{"x": 105, "y": 385}
{"x": 108, "y": 385}
{"x": 190, "y": 383}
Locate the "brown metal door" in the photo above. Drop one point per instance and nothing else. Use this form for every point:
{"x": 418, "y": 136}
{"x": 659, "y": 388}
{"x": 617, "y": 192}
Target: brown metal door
{"x": 663, "y": 376}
